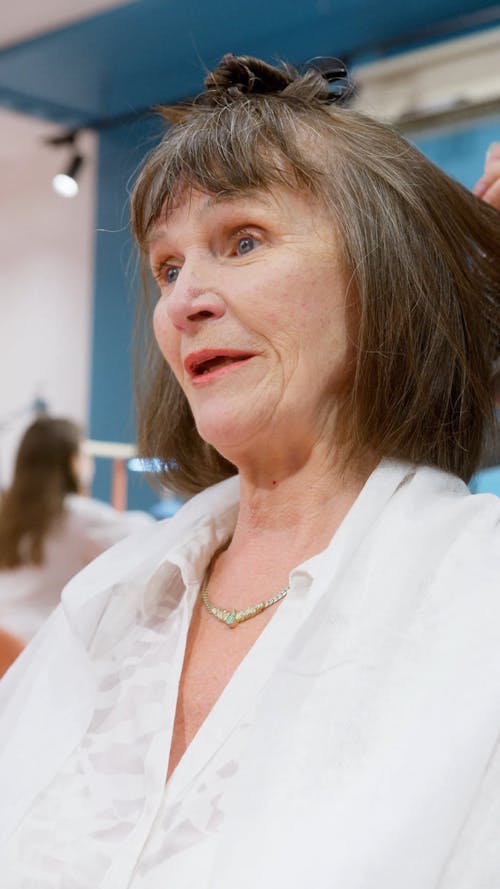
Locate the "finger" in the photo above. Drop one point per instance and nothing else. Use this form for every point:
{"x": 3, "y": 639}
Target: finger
{"x": 480, "y": 188}
{"x": 492, "y": 195}
{"x": 493, "y": 153}
{"x": 489, "y": 177}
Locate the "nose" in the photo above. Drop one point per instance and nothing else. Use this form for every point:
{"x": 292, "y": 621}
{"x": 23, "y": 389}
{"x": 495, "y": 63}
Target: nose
{"x": 193, "y": 299}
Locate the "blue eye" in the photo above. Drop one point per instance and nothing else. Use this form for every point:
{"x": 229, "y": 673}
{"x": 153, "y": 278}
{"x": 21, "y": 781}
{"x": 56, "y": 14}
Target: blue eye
{"x": 171, "y": 273}
{"x": 245, "y": 245}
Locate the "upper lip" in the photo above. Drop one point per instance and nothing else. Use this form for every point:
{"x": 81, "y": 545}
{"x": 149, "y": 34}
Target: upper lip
{"x": 193, "y": 361}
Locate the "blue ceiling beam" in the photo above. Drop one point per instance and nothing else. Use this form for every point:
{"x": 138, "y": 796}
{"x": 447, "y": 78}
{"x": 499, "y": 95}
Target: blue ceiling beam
{"x": 129, "y": 58}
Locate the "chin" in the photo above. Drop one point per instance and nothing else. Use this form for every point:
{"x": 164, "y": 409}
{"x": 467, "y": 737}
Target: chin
{"x": 227, "y": 430}
{"x": 221, "y": 437}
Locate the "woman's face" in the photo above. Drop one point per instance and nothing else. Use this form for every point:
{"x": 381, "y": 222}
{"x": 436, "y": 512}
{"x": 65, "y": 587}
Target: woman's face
{"x": 252, "y": 318}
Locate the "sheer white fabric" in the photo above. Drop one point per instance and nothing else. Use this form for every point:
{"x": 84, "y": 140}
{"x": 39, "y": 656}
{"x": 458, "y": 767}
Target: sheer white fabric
{"x": 355, "y": 746}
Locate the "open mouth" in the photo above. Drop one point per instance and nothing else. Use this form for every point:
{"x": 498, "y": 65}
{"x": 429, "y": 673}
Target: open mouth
{"x": 206, "y": 366}
{"x": 201, "y": 364}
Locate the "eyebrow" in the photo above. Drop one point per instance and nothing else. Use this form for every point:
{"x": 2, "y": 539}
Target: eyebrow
{"x": 256, "y": 195}
{"x": 247, "y": 194}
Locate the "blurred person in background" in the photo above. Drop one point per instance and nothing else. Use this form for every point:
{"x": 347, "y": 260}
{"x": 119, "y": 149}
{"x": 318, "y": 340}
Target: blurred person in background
{"x": 49, "y": 527}
{"x": 295, "y": 681}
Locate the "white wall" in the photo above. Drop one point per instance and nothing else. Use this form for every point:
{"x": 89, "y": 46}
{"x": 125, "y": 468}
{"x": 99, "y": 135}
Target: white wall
{"x": 460, "y": 75}
{"x": 46, "y": 275}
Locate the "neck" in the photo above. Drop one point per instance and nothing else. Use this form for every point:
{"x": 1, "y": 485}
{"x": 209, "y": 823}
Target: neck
{"x": 282, "y": 521}
{"x": 296, "y": 512}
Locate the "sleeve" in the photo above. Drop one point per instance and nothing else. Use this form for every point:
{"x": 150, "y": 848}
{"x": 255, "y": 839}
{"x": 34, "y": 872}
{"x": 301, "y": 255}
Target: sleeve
{"x": 45, "y": 703}
{"x": 474, "y": 862}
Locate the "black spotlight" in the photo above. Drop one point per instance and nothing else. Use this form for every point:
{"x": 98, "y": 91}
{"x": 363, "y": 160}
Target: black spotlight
{"x": 65, "y": 184}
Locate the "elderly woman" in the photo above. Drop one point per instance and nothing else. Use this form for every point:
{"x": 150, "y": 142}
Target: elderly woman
{"x": 297, "y": 680}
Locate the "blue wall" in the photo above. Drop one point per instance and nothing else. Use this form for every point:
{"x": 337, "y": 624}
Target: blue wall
{"x": 116, "y": 286}
{"x": 461, "y": 152}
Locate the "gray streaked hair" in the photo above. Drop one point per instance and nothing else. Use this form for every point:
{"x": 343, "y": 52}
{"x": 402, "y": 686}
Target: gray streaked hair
{"x": 421, "y": 249}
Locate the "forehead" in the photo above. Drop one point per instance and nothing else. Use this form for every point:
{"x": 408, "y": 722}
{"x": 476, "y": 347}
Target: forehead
{"x": 278, "y": 203}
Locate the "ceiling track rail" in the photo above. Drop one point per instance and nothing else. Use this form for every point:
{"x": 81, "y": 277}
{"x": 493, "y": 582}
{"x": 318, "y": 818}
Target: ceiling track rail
{"x": 443, "y": 85}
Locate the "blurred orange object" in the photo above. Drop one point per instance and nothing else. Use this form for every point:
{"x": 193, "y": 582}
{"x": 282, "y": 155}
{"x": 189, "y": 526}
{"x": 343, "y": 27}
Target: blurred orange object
{"x": 10, "y": 647}
{"x": 119, "y": 485}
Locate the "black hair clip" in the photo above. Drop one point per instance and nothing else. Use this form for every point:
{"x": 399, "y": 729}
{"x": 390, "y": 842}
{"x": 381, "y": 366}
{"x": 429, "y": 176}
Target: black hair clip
{"x": 333, "y": 70}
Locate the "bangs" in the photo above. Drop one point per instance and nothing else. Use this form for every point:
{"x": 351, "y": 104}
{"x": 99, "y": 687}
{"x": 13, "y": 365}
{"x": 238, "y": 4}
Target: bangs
{"x": 235, "y": 149}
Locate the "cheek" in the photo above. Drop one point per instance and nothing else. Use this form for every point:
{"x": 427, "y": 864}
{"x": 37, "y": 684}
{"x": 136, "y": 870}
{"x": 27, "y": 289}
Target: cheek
{"x": 166, "y": 337}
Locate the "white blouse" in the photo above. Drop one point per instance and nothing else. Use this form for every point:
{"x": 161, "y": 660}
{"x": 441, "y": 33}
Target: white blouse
{"x": 353, "y": 747}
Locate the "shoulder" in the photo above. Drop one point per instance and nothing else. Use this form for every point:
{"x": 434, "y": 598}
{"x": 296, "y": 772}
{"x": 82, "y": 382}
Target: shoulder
{"x": 438, "y": 505}
{"x": 471, "y": 522}
{"x": 434, "y": 549}
{"x": 441, "y": 544}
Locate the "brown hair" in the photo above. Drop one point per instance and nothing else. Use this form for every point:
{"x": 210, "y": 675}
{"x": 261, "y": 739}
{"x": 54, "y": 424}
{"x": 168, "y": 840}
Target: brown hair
{"x": 43, "y": 475}
{"x": 422, "y": 250}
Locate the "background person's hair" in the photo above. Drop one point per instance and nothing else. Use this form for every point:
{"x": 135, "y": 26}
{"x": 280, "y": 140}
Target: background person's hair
{"x": 422, "y": 250}
{"x": 44, "y": 473}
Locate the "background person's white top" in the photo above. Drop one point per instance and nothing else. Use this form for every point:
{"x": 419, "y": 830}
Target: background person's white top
{"x": 29, "y": 593}
{"x": 354, "y": 747}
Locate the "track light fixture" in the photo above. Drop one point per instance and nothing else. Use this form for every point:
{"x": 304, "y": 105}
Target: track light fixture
{"x": 65, "y": 183}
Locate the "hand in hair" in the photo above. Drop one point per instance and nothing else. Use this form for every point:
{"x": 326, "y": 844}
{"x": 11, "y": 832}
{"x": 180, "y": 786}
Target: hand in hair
{"x": 488, "y": 186}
